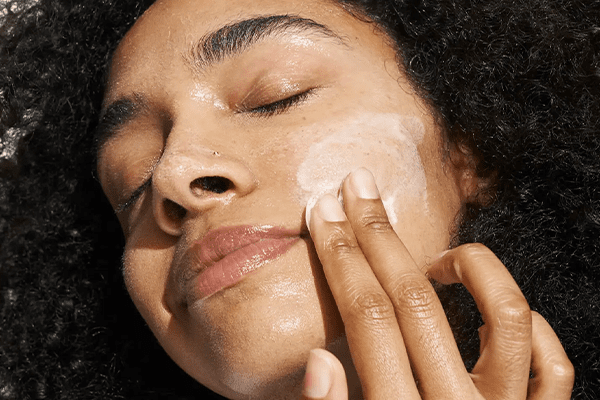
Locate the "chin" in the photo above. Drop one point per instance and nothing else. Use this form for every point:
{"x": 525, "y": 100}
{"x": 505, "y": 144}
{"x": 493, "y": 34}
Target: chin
{"x": 276, "y": 373}
{"x": 255, "y": 344}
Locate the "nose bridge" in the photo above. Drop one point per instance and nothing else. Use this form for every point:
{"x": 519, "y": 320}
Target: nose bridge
{"x": 191, "y": 178}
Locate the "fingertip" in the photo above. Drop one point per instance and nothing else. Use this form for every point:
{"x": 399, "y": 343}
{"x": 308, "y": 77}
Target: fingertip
{"x": 362, "y": 183}
{"x": 438, "y": 256}
{"x": 325, "y": 207}
{"x": 440, "y": 269}
{"x": 547, "y": 350}
{"x": 553, "y": 372}
{"x": 319, "y": 375}
{"x": 325, "y": 377}
{"x": 329, "y": 209}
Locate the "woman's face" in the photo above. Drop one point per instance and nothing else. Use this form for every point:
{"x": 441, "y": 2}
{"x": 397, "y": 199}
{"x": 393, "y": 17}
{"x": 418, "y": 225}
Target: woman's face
{"x": 223, "y": 121}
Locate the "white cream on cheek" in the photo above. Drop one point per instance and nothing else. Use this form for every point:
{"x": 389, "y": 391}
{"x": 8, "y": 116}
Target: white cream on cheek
{"x": 386, "y": 144}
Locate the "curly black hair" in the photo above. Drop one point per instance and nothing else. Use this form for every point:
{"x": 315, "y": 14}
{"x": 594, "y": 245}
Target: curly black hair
{"x": 516, "y": 81}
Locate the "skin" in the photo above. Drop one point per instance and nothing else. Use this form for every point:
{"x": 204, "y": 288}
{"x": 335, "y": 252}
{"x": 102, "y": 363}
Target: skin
{"x": 385, "y": 292}
{"x": 389, "y": 139}
{"x": 253, "y": 339}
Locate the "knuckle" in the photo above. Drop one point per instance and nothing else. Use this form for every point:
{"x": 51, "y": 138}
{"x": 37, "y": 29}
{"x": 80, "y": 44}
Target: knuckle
{"x": 414, "y": 297}
{"x": 563, "y": 370}
{"x": 515, "y": 312}
{"x": 514, "y": 317}
{"x": 371, "y": 305}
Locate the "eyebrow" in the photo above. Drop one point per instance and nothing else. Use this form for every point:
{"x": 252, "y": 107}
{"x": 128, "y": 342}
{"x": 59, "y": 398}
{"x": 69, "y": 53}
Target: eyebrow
{"x": 235, "y": 38}
{"x": 211, "y": 49}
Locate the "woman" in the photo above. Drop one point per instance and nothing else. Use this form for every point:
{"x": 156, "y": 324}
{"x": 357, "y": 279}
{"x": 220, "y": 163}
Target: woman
{"x": 224, "y": 126}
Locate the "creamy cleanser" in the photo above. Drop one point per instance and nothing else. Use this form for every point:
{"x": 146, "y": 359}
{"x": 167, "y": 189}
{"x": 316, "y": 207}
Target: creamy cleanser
{"x": 386, "y": 144}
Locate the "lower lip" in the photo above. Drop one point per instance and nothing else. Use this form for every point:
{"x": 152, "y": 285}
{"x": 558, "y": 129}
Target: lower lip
{"x": 235, "y": 266}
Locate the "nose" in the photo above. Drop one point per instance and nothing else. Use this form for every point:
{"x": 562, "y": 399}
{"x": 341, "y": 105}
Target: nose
{"x": 187, "y": 182}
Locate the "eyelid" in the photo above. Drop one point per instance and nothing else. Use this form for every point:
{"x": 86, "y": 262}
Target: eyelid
{"x": 266, "y": 110}
{"x": 124, "y": 206}
{"x": 279, "y": 106}
{"x": 139, "y": 191}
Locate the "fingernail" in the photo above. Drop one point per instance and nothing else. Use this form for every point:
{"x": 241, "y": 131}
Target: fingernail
{"x": 340, "y": 194}
{"x": 317, "y": 380}
{"x": 330, "y": 209}
{"x": 363, "y": 184}
{"x": 310, "y": 205}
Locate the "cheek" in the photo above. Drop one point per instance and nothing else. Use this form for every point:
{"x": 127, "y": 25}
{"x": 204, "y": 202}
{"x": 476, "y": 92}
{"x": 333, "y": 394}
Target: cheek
{"x": 242, "y": 341}
{"x": 386, "y": 144}
{"x": 146, "y": 265}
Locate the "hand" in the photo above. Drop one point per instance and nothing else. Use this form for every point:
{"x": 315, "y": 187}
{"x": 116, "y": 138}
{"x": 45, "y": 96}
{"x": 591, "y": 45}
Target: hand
{"x": 400, "y": 340}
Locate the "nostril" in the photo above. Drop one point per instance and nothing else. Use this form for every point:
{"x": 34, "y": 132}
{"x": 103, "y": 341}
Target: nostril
{"x": 173, "y": 210}
{"x": 214, "y": 184}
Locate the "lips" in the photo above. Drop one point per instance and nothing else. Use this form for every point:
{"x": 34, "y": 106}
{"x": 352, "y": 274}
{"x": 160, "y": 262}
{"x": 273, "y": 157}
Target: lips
{"x": 226, "y": 255}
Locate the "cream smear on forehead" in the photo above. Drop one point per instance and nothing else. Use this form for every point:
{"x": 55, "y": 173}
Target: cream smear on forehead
{"x": 386, "y": 144}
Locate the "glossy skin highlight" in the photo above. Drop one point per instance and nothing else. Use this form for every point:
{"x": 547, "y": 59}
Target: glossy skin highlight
{"x": 196, "y": 120}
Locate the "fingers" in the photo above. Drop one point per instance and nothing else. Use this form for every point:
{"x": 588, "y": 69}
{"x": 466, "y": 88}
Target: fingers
{"x": 389, "y": 308}
{"x": 553, "y": 373}
{"x": 427, "y": 335}
{"x": 394, "y": 320}
{"x": 372, "y": 332}
{"x": 503, "y": 367}
{"x": 325, "y": 377}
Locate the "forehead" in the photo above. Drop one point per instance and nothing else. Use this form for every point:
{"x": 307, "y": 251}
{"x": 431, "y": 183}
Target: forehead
{"x": 169, "y": 30}
{"x": 183, "y": 20}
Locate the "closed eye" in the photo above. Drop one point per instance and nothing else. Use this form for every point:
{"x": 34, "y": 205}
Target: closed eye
{"x": 266, "y": 110}
{"x": 134, "y": 197}
{"x": 280, "y": 106}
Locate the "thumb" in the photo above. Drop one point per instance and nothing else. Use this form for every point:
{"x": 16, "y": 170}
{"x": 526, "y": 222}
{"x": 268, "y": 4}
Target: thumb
{"x": 324, "y": 378}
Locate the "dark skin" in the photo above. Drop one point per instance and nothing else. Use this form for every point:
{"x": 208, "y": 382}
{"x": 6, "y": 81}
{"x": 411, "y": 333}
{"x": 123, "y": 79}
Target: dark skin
{"x": 386, "y": 293}
{"x": 192, "y": 121}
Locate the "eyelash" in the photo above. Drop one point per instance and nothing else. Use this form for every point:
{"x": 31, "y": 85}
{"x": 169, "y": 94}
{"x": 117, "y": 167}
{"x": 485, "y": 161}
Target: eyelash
{"x": 133, "y": 198}
{"x": 266, "y": 110}
{"x": 280, "y": 106}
